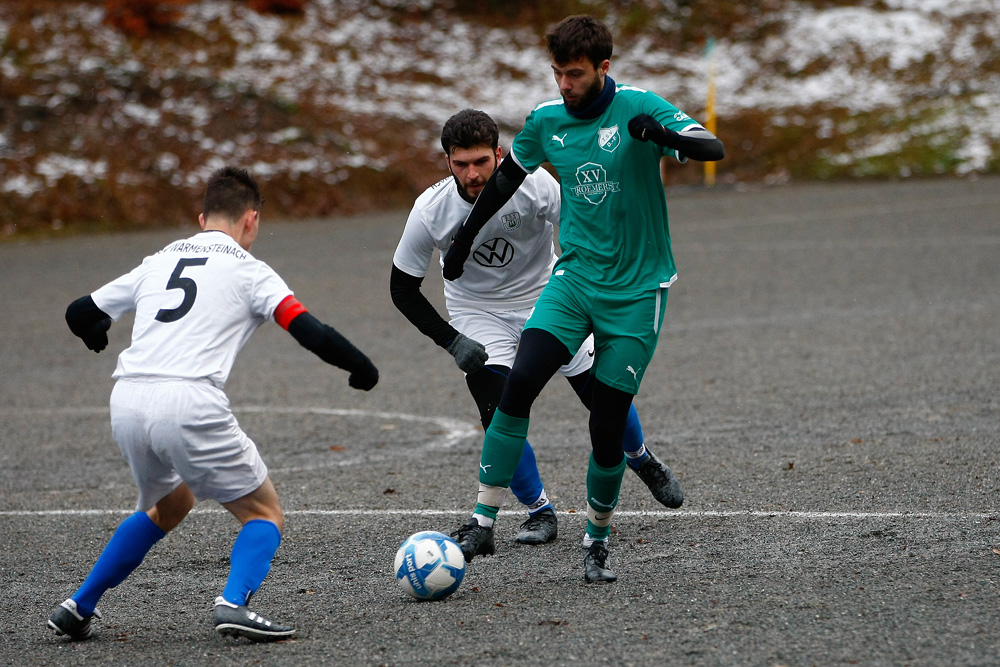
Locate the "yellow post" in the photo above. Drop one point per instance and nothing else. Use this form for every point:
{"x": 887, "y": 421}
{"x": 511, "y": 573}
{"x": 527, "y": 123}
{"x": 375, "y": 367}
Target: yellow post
{"x": 710, "y": 109}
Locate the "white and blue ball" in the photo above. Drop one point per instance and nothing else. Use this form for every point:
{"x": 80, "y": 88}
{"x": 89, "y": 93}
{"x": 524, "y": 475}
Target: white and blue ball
{"x": 429, "y": 565}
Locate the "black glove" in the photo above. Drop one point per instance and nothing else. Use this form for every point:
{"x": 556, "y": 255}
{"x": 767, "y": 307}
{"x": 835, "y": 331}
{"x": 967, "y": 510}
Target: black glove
{"x": 88, "y": 323}
{"x": 365, "y": 377}
{"x": 96, "y": 338}
{"x": 454, "y": 259}
{"x": 646, "y": 128}
{"x": 470, "y": 355}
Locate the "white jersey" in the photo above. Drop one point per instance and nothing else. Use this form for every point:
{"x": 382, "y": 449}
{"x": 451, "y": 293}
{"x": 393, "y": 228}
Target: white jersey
{"x": 512, "y": 256}
{"x": 196, "y": 303}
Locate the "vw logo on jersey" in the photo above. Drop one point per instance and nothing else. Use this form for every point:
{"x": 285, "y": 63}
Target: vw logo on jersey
{"x": 592, "y": 183}
{"x": 511, "y": 221}
{"x": 608, "y": 138}
{"x": 495, "y": 253}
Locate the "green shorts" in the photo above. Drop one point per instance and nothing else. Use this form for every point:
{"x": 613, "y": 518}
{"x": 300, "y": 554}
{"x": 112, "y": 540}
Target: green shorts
{"x": 626, "y": 327}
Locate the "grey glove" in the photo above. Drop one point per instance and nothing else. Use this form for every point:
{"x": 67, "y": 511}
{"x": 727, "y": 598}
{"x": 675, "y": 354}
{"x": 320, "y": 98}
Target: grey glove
{"x": 470, "y": 355}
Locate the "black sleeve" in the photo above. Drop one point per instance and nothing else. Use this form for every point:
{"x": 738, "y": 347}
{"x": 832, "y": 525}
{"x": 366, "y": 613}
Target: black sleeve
{"x": 410, "y": 301}
{"x": 89, "y": 323}
{"x": 327, "y": 344}
{"x": 498, "y": 190}
{"x": 704, "y": 149}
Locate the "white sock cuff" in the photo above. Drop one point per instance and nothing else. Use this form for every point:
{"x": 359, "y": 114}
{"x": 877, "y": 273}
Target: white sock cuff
{"x": 542, "y": 501}
{"x": 491, "y": 496}
{"x": 637, "y": 453}
{"x": 588, "y": 541}
{"x": 599, "y": 519}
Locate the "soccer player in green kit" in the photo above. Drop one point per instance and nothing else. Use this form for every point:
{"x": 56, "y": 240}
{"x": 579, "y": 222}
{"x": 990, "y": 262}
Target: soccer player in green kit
{"x": 605, "y": 141}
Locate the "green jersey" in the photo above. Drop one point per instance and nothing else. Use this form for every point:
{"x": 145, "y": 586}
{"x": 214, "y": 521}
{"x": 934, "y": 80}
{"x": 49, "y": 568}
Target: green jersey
{"x": 613, "y": 229}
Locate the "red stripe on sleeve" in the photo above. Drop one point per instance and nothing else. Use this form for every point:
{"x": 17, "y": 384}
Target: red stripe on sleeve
{"x": 288, "y": 310}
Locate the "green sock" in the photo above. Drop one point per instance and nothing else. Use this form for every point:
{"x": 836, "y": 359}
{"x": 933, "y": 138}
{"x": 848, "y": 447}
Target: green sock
{"x": 502, "y": 448}
{"x": 603, "y": 486}
{"x": 487, "y": 511}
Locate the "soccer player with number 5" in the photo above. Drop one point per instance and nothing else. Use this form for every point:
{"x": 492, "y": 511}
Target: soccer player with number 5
{"x": 605, "y": 141}
{"x": 196, "y": 302}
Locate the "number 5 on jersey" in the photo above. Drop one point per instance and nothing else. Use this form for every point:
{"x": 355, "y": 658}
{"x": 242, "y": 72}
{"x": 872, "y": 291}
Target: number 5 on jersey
{"x": 188, "y": 285}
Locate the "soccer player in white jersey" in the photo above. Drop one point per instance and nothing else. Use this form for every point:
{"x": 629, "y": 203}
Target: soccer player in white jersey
{"x": 605, "y": 141}
{"x": 196, "y": 303}
{"x": 490, "y": 303}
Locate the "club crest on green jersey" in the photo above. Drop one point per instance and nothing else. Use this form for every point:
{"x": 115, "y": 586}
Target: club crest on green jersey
{"x": 592, "y": 183}
{"x": 608, "y": 138}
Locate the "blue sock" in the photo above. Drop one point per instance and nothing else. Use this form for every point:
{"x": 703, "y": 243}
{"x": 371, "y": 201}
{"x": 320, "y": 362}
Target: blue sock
{"x": 250, "y": 561}
{"x": 527, "y": 483}
{"x": 633, "y": 439}
{"x": 132, "y": 540}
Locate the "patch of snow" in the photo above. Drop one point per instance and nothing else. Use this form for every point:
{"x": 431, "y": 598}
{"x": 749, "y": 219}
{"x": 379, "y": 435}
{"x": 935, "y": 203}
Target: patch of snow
{"x": 54, "y": 167}
{"x": 362, "y": 59}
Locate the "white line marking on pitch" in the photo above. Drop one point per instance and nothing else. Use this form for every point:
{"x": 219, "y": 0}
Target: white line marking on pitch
{"x": 454, "y": 431}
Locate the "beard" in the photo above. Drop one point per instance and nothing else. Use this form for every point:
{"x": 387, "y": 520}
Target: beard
{"x": 588, "y": 97}
{"x": 465, "y": 194}
{"x": 462, "y": 192}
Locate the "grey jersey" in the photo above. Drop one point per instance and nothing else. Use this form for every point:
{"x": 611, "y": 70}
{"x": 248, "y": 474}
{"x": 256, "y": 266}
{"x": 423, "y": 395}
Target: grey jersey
{"x": 512, "y": 257}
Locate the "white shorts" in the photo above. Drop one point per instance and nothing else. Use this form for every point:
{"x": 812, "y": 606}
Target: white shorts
{"x": 171, "y": 431}
{"x": 500, "y": 333}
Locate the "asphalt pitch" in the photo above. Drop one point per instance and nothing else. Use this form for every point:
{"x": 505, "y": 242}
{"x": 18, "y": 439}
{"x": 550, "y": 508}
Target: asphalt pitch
{"x": 826, "y": 388}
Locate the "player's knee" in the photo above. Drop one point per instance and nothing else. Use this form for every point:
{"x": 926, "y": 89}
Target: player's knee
{"x": 606, "y": 438}
{"x": 269, "y": 514}
{"x": 278, "y": 517}
{"x": 172, "y": 509}
{"x": 522, "y": 388}
{"x": 262, "y": 503}
{"x": 279, "y": 521}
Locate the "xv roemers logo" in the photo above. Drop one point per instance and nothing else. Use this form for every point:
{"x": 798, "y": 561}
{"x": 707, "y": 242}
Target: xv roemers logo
{"x": 495, "y": 253}
{"x": 592, "y": 183}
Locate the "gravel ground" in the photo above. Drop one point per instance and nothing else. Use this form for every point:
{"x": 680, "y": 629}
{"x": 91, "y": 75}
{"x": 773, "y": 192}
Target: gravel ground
{"x": 826, "y": 388}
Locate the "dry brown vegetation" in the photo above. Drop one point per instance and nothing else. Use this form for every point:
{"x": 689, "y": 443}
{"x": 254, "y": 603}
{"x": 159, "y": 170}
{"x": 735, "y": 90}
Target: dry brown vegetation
{"x": 126, "y": 142}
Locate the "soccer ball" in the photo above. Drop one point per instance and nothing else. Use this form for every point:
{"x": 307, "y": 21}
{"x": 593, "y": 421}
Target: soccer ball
{"x": 429, "y": 565}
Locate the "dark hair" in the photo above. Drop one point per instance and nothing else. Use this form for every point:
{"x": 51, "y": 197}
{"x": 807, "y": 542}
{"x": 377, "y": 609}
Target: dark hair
{"x": 230, "y": 192}
{"x": 577, "y": 36}
{"x": 468, "y": 128}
